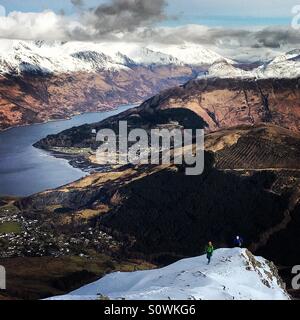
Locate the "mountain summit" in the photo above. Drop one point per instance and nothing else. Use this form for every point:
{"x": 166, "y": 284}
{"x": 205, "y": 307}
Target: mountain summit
{"x": 234, "y": 274}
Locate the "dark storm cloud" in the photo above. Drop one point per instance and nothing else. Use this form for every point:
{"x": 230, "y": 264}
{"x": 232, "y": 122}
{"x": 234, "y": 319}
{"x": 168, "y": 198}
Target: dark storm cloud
{"x": 277, "y": 37}
{"x": 77, "y": 3}
{"x": 125, "y": 15}
{"x": 242, "y": 44}
{"x": 271, "y": 37}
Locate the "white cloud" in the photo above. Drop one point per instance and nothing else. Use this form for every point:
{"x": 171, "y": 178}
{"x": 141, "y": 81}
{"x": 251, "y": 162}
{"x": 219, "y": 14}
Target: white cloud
{"x": 33, "y": 26}
{"x": 234, "y": 43}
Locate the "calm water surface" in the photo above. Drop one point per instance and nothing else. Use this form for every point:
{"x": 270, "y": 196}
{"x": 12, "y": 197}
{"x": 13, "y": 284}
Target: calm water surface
{"x": 25, "y": 170}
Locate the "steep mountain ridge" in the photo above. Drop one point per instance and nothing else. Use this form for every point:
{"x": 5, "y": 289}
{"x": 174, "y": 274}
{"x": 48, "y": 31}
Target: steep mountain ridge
{"x": 234, "y": 274}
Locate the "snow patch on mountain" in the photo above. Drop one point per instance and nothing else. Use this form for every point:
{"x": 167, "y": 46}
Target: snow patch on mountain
{"x": 232, "y": 274}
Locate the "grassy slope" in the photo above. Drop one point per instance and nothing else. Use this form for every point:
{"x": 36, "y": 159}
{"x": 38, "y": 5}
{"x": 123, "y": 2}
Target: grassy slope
{"x": 37, "y": 278}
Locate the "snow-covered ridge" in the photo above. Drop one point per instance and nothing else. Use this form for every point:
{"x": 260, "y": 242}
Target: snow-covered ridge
{"x": 223, "y": 69}
{"x": 63, "y": 57}
{"x": 284, "y": 66}
{"x": 20, "y": 56}
{"x": 17, "y": 57}
{"x": 232, "y": 274}
{"x": 192, "y": 54}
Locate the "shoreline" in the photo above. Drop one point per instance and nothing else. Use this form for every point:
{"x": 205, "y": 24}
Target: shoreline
{"x": 134, "y": 105}
{"x": 69, "y": 160}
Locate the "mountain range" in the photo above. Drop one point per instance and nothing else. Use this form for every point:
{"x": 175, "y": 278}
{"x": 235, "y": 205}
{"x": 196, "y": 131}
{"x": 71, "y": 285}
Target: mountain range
{"x": 41, "y": 81}
{"x": 153, "y": 214}
{"x": 17, "y": 57}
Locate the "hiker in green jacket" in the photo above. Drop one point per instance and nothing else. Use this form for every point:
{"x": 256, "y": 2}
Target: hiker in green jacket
{"x": 209, "y": 251}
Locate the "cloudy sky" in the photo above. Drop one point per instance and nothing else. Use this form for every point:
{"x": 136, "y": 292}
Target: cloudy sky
{"x": 241, "y": 29}
{"x": 193, "y": 11}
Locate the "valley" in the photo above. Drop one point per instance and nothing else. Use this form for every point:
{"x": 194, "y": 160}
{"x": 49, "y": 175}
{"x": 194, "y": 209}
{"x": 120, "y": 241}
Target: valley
{"x": 147, "y": 216}
{"x": 258, "y": 201}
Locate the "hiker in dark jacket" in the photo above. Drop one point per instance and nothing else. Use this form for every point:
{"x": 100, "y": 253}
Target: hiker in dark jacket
{"x": 209, "y": 251}
{"x": 238, "y": 242}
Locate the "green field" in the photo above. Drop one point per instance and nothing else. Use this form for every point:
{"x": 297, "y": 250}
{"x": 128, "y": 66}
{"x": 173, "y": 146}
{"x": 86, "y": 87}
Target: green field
{"x": 10, "y": 227}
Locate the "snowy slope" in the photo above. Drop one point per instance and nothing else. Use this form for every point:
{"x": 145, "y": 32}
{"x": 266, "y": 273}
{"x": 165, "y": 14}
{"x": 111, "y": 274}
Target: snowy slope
{"x": 66, "y": 57}
{"x": 188, "y": 54}
{"x": 232, "y": 274}
{"x": 284, "y": 66}
{"x": 223, "y": 69}
{"x": 146, "y": 56}
{"x": 17, "y": 57}
{"x": 287, "y": 56}
{"x": 192, "y": 54}
{"x": 21, "y": 56}
{"x": 140, "y": 55}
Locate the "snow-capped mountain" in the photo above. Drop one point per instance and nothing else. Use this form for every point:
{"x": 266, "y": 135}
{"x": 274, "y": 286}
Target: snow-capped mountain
{"x": 232, "y": 274}
{"x": 223, "y": 69}
{"x": 19, "y": 56}
{"x": 284, "y": 66}
{"x": 287, "y": 56}
{"x": 192, "y": 54}
{"x": 65, "y": 57}
{"x": 145, "y": 56}
{"x": 59, "y": 79}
